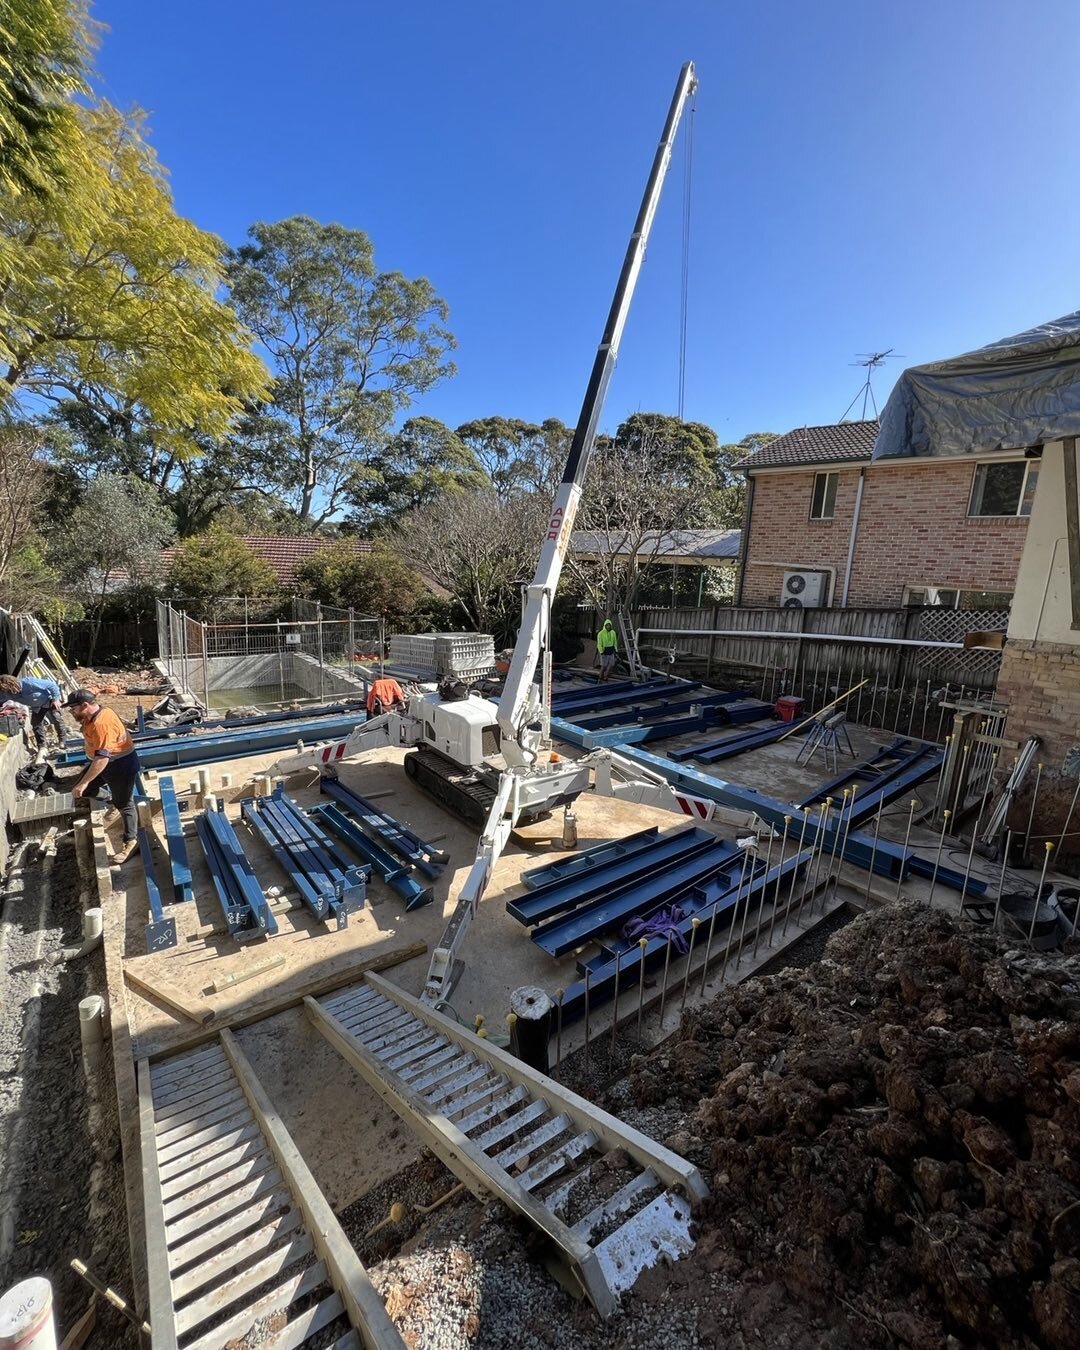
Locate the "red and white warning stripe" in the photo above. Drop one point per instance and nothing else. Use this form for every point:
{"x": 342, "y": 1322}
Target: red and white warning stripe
{"x": 695, "y": 806}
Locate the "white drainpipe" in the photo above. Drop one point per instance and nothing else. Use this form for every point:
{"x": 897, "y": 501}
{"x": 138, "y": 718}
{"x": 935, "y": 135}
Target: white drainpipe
{"x": 851, "y": 541}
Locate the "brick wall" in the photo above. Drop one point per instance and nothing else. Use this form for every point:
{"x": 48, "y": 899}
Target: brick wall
{"x": 1041, "y": 685}
{"x": 913, "y": 530}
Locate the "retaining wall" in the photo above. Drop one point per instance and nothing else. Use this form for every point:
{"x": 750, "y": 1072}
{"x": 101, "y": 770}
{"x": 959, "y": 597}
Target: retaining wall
{"x": 13, "y": 754}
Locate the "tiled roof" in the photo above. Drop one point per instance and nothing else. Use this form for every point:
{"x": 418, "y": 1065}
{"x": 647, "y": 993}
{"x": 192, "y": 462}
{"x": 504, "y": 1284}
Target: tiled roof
{"x": 839, "y": 443}
{"x": 284, "y": 552}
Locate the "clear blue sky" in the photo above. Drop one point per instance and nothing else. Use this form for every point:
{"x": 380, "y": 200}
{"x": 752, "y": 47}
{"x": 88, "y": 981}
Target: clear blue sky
{"x": 865, "y": 176}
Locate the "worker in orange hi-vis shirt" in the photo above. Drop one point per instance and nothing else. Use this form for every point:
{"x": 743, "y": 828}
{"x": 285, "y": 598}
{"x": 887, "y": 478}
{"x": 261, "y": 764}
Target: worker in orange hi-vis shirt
{"x": 114, "y": 762}
{"x": 384, "y": 696}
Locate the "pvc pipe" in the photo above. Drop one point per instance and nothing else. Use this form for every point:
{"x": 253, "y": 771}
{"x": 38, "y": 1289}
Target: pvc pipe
{"x": 753, "y": 634}
{"x": 91, "y": 1032}
{"x": 92, "y": 930}
{"x": 852, "y": 539}
{"x": 26, "y": 1316}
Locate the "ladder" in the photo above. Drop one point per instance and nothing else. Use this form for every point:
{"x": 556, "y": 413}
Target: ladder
{"x": 238, "y": 1234}
{"x": 503, "y": 1128}
{"x": 624, "y": 625}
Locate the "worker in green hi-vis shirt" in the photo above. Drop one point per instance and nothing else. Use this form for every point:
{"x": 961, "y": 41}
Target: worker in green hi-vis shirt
{"x": 607, "y": 645}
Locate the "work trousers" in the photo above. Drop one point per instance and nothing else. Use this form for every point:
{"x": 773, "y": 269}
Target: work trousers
{"x": 119, "y": 777}
{"x": 37, "y": 724}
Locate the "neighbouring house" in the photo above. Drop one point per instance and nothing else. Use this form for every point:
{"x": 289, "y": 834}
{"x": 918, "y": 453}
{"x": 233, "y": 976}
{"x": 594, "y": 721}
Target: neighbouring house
{"x": 1021, "y": 391}
{"x": 828, "y": 525}
{"x": 682, "y": 562}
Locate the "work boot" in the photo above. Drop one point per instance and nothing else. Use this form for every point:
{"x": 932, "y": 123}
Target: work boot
{"x": 112, "y": 815}
{"x": 124, "y": 852}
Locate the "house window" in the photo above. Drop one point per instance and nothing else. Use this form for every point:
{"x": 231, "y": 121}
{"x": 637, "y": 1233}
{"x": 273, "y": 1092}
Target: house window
{"x": 823, "y": 505}
{"x": 1005, "y": 489}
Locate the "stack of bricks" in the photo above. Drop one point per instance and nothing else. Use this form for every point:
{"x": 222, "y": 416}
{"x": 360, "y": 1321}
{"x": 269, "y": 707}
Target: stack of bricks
{"x": 1040, "y": 683}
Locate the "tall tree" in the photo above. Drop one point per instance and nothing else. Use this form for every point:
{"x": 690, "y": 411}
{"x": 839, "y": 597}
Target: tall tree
{"x": 113, "y": 539}
{"x": 350, "y": 348}
{"x": 519, "y": 456}
{"x": 114, "y": 302}
{"x": 44, "y": 49}
{"x": 481, "y": 550}
{"x": 22, "y": 483}
{"x": 422, "y": 461}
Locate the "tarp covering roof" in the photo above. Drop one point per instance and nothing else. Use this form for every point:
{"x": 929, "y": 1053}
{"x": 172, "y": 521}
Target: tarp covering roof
{"x": 1021, "y": 391}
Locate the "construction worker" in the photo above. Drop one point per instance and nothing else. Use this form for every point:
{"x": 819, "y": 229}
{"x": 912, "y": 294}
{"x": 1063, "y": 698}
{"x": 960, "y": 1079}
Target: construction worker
{"x": 42, "y": 696}
{"x": 114, "y": 762}
{"x": 607, "y": 646}
{"x": 384, "y": 696}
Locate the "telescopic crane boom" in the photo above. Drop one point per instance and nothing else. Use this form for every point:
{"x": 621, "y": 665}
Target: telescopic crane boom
{"x": 522, "y": 724}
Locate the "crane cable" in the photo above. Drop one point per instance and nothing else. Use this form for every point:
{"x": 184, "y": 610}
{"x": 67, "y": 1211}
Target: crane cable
{"x": 684, "y": 297}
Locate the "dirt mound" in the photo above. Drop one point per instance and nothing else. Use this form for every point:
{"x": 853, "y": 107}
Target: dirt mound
{"x": 894, "y": 1132}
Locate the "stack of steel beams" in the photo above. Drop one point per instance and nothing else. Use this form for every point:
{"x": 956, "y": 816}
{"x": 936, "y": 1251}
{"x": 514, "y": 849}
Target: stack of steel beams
{"x": 327, "y": 881}
{"x": 246, "y": 912}
{"x": 396, "y": 873}
{"x": 386, "y": 830}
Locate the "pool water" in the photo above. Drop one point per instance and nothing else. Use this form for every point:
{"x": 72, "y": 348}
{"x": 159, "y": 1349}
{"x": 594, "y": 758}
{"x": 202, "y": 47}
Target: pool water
{"x": 261, "y": 696}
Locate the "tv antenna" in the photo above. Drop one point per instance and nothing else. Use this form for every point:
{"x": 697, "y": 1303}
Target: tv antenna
{"x": 868, "y": 361}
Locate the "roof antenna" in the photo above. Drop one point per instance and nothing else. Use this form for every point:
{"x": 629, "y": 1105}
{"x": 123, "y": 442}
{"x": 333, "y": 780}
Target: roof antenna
{"x": 869, "y": 361}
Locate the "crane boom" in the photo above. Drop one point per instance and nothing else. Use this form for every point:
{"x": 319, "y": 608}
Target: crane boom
{"x": 520, "y": 703}
{"x": 525, "y": 783}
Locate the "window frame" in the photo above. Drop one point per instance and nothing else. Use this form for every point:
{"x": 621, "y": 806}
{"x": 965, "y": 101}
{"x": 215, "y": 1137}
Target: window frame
{"x": 984, "y": 468}
{"x": 826, "y": 474}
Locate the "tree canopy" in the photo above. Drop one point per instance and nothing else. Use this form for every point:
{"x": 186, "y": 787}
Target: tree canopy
{"x": 217, "y": 563}
{"x": 376, "y": 583}
{"x": 420, "y": 463}
{"x": 350, "y": 347}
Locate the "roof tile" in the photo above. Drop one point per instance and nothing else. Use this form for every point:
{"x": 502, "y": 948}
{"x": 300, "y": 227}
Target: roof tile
{"x": 837, "y": 443}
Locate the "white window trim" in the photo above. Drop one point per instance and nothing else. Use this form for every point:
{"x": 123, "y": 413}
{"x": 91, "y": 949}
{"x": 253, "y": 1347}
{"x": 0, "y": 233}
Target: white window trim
{"x": 1027, "y": 462}
{"x": 824, "y": 473}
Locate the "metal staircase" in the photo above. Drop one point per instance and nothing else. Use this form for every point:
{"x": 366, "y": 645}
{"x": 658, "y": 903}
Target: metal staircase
{"x": 240, "y": 1241}
{"x": 503, "y": 1128}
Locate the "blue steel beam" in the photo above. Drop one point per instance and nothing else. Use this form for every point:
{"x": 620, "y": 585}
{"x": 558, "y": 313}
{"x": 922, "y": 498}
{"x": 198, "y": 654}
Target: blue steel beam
{"x": 890, "y": 860}
{"x": 323, "y": 886}
{"x": 569, "y": 697}
{"x": 395, "y": 873}
{"x": 325, "y": 863}
{"x": 602, "y": 697}
{"x": 699, "y": 902}
{"x": 562, "y": 935}
{"x": 890, "y": 773}
{"x": 246, "y": 911}
{"x": 201, "y": 749}
{"x": 726, "y": 747}
{"x": 640, "y": 733}
{"x": 644, "y": 712}
{"x": 609, "y": 878}
{"x": 160, "y": 931}
{"x": 383, "y": 828}
{"x": 174, "y": 837}
{"x": 534, "y": 877}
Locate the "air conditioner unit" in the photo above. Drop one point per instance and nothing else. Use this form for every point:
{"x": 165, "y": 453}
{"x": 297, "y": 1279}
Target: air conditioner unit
{"x": 804, "y": 590}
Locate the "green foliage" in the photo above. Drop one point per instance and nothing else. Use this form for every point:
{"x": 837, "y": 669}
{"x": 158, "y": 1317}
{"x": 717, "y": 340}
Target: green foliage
{"x": 218, "y": 563}
{"x": 376, "y": 583}
{"x": 44, "y": 50}
{"x": 113, "y": 303}
{"x": 519, "y": 456}
{"x": 423, "y": 461}
{"x": 350, "y": 348}
{"x": 112, "y": 538}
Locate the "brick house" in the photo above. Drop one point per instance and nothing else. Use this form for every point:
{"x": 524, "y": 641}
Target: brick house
{"x": 940, "y": 530}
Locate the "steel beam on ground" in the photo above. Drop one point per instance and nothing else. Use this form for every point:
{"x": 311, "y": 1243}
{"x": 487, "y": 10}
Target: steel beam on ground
{"x": 394, "y": 872}
{"x": 174, "y": 838}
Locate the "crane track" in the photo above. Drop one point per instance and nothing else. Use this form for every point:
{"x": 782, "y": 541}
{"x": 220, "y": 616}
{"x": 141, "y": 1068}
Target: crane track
{"x": 239, "y": 1238}
{"x": 463, "y": 792}
{"x": 503, "y": 1128}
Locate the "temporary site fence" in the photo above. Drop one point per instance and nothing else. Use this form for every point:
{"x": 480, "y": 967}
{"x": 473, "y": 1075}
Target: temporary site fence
{"x": 308, "y": 653}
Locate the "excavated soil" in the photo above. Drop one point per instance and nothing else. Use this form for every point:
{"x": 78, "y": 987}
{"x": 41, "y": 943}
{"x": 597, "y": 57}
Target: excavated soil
{"x": 892, "y": 1141}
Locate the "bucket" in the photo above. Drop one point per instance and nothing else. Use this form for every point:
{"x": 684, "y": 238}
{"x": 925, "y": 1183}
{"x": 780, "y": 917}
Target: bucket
{"x": 788, "y": 707}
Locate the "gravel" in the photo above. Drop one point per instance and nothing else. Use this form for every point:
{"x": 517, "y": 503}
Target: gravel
{"x": 62, "y": 1180}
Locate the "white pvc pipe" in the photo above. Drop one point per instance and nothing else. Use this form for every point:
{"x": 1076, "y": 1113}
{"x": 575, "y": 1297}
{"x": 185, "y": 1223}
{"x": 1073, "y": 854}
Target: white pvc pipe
{"x": 26, "y": 1316}
{"x": 751, "y": 634}
{"x": 92, "y": 924}
{"x": 91, "y": 1033}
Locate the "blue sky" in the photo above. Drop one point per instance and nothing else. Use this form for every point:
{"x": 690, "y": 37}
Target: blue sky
{"x": 865, "y": 176}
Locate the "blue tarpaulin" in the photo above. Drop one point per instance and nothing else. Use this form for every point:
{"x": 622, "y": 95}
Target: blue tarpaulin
{"x": 1018, "y": 392}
